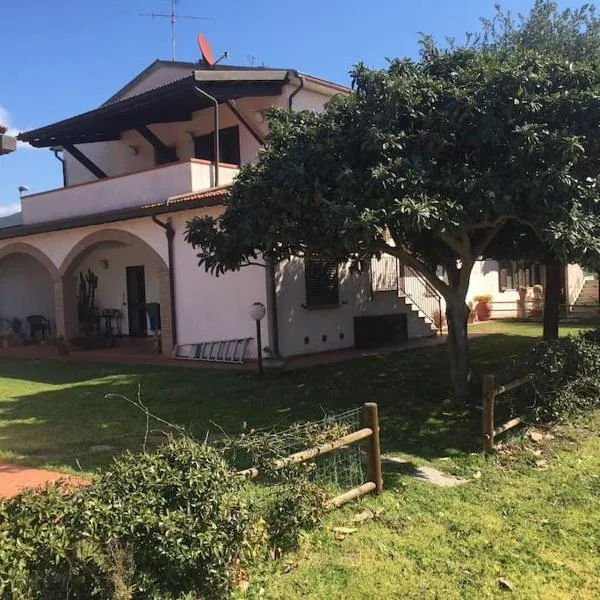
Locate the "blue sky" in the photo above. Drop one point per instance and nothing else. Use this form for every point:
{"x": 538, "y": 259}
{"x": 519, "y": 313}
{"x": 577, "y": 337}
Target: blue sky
{"x": 63, "y": 57}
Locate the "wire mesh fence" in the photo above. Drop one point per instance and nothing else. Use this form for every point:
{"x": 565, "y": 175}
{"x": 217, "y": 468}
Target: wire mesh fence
{"x": 337, "y": 470}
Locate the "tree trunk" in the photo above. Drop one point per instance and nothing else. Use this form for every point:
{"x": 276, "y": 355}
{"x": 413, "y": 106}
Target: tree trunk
{"x": 457, "y": 314}
{"x": 552, "y": 298}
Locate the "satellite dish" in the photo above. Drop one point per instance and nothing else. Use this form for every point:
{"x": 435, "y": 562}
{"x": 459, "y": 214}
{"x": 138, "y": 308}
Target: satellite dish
{"x": 207, "y": 54}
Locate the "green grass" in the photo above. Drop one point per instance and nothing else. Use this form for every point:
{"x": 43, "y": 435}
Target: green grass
{"x": 536, "y": 528}
{"x": 54, "y": 413}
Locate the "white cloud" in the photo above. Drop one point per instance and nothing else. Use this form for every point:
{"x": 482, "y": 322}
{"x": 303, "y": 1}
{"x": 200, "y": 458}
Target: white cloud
{"x": 9, "y": 209}
{"x": 14, "y": 131}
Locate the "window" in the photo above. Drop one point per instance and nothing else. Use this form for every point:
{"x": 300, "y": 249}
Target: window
{"x": 229, "y": 146}
{"x": 161, "y": 159}
{"x": 514, "y": 274}
{"x": 322, "y": 282}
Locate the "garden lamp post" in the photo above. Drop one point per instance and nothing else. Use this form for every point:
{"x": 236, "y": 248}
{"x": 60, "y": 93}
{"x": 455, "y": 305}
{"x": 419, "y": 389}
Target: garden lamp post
{"x": 257, "y": 312}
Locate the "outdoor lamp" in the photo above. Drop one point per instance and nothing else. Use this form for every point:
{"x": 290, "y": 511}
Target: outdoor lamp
{"x": 257, "y": 312}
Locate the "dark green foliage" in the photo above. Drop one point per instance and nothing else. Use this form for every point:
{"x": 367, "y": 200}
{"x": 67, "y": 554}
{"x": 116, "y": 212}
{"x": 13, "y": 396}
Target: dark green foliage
{"x": 169, "y": 524}
{"x": 158, "y": 525}
{"x": 566, "y": 375}
{"x": 296, "y": 509}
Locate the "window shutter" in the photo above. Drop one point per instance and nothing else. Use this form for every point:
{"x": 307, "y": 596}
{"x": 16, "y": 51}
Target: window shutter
{"x": 322, "y": 282}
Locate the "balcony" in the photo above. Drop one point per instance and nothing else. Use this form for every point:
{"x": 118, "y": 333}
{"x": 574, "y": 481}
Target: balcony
{"x": 124, "y": 191}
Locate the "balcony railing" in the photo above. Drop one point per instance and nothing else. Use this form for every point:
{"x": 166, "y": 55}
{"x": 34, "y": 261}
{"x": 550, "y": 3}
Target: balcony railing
{"x": 124, "y": 191}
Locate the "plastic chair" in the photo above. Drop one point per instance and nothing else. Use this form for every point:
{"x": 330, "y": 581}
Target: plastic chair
{"x": 38, "y": 323}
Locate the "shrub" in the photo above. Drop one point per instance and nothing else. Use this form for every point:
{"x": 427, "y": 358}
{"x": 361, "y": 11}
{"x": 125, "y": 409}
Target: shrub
{"x": 158, "y": 525}
{"x": 566, "y": 376}
{"x": 175, "y": 523}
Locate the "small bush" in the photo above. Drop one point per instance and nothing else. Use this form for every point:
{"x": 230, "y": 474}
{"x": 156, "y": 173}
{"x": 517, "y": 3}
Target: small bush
{"x": 566, "y": 376}
{"x": 158, "y": 525}
{"x": 175, "y": 523}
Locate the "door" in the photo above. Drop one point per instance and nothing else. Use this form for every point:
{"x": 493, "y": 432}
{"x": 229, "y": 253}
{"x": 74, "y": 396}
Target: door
{"x": 380, "y": 330}
{"x": 136, "y": 300}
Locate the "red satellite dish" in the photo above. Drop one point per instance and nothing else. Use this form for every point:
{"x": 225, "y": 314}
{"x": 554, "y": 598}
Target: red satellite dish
{"x": 206, "y": 50}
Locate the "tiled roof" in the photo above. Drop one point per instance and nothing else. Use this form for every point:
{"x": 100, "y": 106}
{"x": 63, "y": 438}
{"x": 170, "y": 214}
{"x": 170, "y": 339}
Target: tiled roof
{"x": 192, "y": 196}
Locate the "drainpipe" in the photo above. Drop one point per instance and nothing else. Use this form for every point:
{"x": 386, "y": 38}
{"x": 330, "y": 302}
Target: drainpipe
{"x": 296, "y": 91}
{"x": 170, "y": 233}
{"x": 216, "y": 149}
{"x": 271, "y": 277}
{"x": 56, "y": 150}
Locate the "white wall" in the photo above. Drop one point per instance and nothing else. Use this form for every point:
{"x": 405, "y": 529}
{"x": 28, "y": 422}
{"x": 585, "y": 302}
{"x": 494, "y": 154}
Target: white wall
{"x": 26, "y": 288}
{"x": 296, "y": 322}
{"x": 124, "y": 191}
{"x": 213, "y": 308}
{"x": 112, "y": 282}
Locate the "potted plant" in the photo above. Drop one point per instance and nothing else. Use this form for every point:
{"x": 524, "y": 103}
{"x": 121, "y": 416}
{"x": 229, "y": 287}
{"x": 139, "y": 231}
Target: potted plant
{"x": 538, "y": 297}
{"x": 483, "y": 306}
{"x": 15, "y": 335}
{"x": 61, "y": 345}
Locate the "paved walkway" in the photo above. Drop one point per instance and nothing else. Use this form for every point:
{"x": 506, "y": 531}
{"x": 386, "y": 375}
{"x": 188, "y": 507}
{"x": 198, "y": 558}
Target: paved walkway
{"x": 14, "y": 478}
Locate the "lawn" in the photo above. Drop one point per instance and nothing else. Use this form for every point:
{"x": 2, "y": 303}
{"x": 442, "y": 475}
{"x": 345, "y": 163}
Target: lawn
{"x": 534, "y": 525}
{"x": 54, "y": 413}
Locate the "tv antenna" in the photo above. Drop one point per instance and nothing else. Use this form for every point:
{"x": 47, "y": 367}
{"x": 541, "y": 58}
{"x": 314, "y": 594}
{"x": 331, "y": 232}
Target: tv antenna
{"x": 173, "y": 16}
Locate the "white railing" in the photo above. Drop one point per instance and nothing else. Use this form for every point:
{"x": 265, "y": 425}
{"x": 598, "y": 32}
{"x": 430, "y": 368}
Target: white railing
{"x": 388, "y": 274}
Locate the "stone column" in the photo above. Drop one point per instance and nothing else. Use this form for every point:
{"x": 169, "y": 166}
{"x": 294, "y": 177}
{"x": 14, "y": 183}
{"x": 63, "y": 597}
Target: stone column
{"x": 65, "y": 308}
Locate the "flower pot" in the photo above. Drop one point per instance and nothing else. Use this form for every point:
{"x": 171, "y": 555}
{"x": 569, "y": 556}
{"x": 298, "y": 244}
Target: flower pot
{"x": 483, "y": 311}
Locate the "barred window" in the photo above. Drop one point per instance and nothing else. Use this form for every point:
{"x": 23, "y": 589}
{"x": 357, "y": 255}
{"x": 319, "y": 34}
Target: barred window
{"x": 322, "y": 282}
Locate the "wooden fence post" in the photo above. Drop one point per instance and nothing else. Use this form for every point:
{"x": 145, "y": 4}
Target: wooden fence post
{"x": 371, "y": 420}
{"x": 489, "y": 399}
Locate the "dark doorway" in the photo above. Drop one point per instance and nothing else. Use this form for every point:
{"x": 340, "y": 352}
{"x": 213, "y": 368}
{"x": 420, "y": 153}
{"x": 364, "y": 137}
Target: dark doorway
{"x": 229, "y": 146}
{"x": 136, "y": 301}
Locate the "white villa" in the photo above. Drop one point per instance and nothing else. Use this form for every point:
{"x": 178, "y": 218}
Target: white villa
{"x": 137, "y": 168}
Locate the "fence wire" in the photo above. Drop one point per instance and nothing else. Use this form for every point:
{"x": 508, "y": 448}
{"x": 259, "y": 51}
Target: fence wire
{"x": 337, "y": 470}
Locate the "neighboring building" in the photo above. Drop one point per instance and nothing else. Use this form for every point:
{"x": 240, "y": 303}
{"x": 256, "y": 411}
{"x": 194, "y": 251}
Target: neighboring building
{"x": 7, "y": 142}
{"x": 136, "y": 169}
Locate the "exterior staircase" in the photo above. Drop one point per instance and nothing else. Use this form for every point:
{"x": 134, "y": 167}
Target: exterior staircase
{"x": 587, "y": 304}
{"x": 389, "y": 274}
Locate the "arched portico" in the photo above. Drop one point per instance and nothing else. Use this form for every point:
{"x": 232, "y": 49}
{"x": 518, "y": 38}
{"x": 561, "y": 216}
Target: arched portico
{"x": 111, "y": 253}
{"x": 30, "y": 284}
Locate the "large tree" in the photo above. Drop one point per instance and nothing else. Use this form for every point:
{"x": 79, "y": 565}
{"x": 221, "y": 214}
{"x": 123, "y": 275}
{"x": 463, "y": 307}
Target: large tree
{"x": 440, "y": 153}
{"x": 574, "y": 35}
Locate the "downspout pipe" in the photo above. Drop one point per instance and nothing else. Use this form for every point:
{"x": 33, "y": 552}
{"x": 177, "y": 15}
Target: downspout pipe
{"x": 216, "y": 148}
{"x": 296, "y": 91}
{"x": 170, "y": 233}
{"x": 272, "y": 290}
{"x": 55, "y": 150}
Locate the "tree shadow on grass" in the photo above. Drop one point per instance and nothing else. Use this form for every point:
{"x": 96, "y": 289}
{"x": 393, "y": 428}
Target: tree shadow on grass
{"x": 56, "y": 413}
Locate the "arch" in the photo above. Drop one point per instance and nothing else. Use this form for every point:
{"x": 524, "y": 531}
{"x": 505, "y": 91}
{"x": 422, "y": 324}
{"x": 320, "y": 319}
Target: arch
{"x": 105, "y": 235}
{"x": 22, "y": 248}
{"x": 112, "y": 236}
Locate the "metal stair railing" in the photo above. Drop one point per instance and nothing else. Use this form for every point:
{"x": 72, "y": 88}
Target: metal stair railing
{"x": 420, "y": 293}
